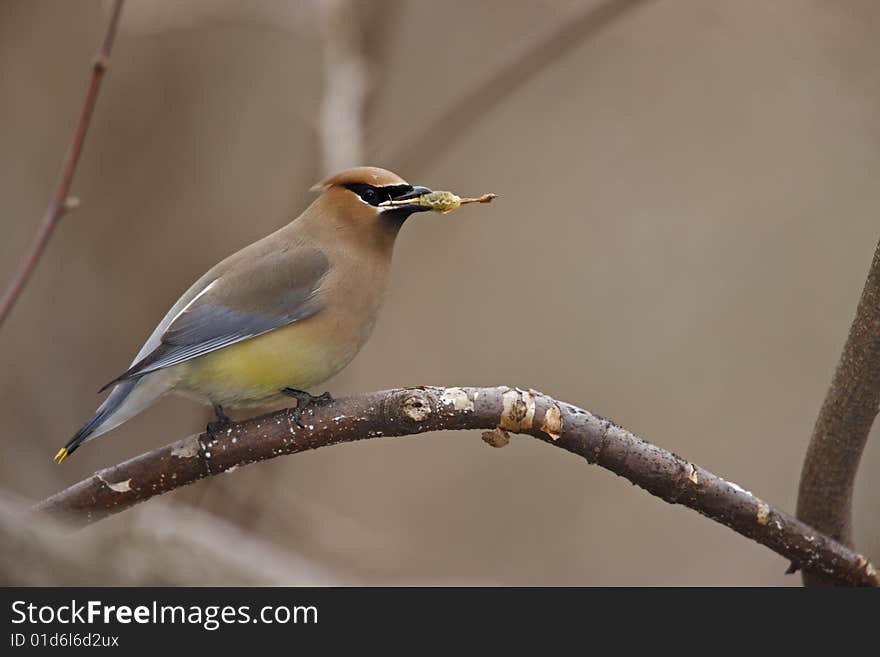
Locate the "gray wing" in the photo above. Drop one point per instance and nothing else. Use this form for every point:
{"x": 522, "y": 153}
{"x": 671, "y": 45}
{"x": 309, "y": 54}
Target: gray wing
{"x": 247, "y": 300}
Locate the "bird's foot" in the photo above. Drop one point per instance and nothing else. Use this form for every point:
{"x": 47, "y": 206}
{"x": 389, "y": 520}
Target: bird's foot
{"x": 223, "y": 422}
{"x": 303, "y": 401}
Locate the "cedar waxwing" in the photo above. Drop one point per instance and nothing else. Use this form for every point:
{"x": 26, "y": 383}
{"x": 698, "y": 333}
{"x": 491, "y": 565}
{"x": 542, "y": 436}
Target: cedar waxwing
{"x": 278, "y": 317}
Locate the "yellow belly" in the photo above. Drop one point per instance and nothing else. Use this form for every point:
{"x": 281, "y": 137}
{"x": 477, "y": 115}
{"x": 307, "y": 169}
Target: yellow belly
{"x": 254, "y": 371}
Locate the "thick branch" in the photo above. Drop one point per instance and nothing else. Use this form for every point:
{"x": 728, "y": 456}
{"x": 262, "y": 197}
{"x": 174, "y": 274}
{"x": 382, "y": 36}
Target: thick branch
{"x": 61, "y": 200}
{"x": 843, "y": 425}
{"x": 409, "y": 411}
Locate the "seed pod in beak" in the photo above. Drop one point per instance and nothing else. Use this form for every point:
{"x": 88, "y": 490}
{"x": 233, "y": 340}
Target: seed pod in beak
{"x": 444, "y": 202}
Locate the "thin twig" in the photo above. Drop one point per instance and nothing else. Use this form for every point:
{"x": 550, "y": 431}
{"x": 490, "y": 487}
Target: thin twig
{"x": 843, "y": 425}
{"x": 61, "y": 201}
{"x": 409, "y": 411}
{"x": 516, "y": 72}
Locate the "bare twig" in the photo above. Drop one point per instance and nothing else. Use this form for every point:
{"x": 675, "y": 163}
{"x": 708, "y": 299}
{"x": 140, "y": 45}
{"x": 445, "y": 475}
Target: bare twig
{"x": 843, "y": 425}
{"x": 409, "y": 411}
{"x": 61, "y": 201}
{"x": 515, "y": 73}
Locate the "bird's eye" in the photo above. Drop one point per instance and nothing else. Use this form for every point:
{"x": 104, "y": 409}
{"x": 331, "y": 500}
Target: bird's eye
{"x": 367, "y": 193}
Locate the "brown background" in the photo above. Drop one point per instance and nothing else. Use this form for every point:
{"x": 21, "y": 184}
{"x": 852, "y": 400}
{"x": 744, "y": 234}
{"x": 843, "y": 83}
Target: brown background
{"x": 688, "y": 210}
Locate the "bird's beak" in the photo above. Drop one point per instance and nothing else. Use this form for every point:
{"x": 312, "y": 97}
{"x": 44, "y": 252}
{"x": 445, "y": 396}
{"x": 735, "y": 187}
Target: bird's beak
{"x": 415, "y": 192}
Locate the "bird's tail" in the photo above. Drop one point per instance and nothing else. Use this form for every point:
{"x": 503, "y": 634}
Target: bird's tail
{"x": 127, "y": 400}
{"x": 91, "y": 429}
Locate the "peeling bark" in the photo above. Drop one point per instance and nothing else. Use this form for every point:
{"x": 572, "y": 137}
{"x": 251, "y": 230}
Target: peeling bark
{"x": 410, "y": 411}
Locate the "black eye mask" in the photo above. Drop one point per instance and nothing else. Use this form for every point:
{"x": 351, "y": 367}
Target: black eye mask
{"x": 376, "y": 195}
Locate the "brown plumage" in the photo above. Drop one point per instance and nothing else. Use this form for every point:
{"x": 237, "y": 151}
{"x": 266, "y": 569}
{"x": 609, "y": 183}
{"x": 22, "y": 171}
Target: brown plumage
{"x": 288, "y": 311}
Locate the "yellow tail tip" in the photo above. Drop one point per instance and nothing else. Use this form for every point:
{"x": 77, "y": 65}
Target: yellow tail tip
{"x": 61, "y": 455}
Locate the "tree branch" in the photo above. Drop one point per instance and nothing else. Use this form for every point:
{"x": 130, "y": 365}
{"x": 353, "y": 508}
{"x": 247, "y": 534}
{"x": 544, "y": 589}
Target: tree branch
{"x": 346, "y": 87}
{"x": 61, "y": 201}
{"x": 409, "y": 411}
{"x": 512, "y": 75}
{"x": 843, "y": 425}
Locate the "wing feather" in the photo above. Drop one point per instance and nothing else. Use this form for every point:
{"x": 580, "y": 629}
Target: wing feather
{"x": 246, "y": 301}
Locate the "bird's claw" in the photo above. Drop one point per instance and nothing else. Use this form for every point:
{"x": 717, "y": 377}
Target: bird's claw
{"x": 213, "y": 428}
{"x": 223, "y": 422}
{"x": 303, "y": 401}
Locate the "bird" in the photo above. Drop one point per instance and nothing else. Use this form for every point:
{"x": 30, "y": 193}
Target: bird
{"x": 278, "y": 317}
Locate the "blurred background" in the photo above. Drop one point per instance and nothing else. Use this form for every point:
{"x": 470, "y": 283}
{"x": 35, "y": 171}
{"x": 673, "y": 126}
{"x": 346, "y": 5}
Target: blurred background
{"x": 688, "y": 209}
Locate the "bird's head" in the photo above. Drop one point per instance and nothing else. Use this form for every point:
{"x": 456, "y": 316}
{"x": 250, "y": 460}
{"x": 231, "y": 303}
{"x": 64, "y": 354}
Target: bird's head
{"x": 352, "y": 199}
